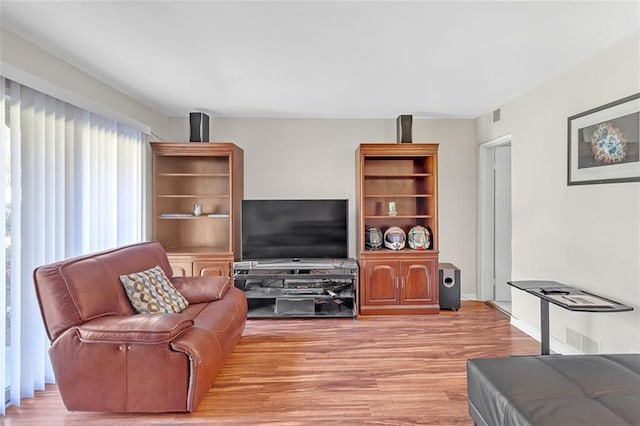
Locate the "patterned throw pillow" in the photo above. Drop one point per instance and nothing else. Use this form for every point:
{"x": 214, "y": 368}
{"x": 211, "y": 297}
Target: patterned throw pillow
{"x": 151, "y": 292}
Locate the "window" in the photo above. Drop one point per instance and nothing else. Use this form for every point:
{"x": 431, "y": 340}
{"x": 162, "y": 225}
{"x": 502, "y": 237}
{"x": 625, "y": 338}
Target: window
{"x": 6, "y": 200}
{"x": 74, "y": 183}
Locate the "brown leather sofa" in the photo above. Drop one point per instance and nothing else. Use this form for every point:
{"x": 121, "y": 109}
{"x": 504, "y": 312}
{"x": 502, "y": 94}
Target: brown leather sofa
{"x": 108, "y": 358}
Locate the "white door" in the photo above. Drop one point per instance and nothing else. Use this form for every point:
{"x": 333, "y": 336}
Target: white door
{"x": 502, "y": 222}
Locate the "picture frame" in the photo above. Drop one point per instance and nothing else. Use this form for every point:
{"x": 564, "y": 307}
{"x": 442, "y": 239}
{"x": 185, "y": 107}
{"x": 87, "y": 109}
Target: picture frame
{"x": 604, "y": 143}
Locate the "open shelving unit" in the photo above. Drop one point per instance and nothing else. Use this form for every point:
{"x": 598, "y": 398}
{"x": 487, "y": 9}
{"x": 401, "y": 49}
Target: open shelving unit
{"x": 403, "y": 178}
{"x": 326, "y": 289}
{"x": 397, "y": 281}
{"x": 209, "y": 174}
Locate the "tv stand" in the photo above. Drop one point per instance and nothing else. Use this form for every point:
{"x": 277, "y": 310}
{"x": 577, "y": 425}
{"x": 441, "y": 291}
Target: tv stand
{"x": 298, "y": 288}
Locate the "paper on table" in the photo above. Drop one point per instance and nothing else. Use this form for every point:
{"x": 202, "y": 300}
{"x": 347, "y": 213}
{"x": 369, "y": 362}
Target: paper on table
{"x": 582, "y": 300}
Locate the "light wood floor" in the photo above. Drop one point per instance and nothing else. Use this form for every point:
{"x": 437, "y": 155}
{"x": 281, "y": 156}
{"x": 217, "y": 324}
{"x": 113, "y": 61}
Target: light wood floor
{"x": 396, "y": 370}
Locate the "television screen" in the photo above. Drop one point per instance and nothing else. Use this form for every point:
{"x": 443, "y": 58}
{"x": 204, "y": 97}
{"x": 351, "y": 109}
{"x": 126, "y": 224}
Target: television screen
{"x": 289, "y": 229}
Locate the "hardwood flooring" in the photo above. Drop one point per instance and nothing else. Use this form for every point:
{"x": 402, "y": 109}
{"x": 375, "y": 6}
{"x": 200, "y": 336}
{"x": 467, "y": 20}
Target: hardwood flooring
{"x": 392, "y": 370}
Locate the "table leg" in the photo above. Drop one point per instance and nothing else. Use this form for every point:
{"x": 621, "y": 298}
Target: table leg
{"x": 544, "y": 327}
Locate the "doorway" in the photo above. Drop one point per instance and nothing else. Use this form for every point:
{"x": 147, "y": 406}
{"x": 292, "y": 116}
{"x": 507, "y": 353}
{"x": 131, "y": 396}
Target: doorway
{"x": 495, "y": 222}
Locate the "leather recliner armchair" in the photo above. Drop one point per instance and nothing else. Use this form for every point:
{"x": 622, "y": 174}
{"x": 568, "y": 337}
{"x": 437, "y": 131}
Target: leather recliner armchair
{"x": 106, "y": 357}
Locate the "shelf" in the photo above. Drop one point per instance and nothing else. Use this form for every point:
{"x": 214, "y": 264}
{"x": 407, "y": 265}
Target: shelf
{"x": 300, "y": 308}
{"x": 268, "y": 312}
{"x": 281, "y": 293}
{"x": 397, "y": 175}
{"x": 388, "y": 252}
{"x": 191, "y": 217}
{"x": 196, "y": 250}
{"x": 397, "y": 195}
{"x": 191, "y": 196}
{"x": 276, "y": 275}
{"x": 400, "y": 216}
{"x": 171, "y": 174}
{"x": 278, "y": 293}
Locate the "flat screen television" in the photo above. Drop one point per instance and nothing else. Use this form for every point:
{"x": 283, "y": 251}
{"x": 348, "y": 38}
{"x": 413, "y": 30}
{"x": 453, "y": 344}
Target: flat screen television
{"x": 294, "y": 229}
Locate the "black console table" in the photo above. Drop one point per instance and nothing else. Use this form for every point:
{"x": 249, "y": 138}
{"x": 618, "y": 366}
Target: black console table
{"x": 567, "y": 297}
{"x": 302, "y": 288}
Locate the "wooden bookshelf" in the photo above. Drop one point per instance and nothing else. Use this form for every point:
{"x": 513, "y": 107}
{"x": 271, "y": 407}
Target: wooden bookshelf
{"x": 210, "y": 174}
{"x": 397, "y": 281}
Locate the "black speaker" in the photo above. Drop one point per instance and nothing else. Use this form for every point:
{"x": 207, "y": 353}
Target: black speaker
{"x": 403, "y": 128}
{"x": 199, "y": 122}
{"x": 449, "y": 286}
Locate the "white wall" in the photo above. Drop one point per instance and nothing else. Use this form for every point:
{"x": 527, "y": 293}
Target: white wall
{"x": 32, "y": 66}
{"x": 586, "y": 235}
{"x": 283, "y": 158}
{"x": 296, "y": 158}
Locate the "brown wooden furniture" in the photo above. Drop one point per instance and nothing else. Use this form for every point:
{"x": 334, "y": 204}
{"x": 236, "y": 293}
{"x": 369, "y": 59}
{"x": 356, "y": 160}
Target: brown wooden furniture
{"x": 210, "y": 174}
{"x": 397, "y": 281}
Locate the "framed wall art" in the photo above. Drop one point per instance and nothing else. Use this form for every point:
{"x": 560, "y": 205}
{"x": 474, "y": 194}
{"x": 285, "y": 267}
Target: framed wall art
{"x": 604, "y": 143}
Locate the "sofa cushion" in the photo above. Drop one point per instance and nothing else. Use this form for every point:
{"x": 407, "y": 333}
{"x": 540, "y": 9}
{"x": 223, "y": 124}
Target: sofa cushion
{"x": 202, "y": 289}
{"x": 151, "y": 292}
{"x": 86, "y": 287}
{"x": 139, "y": 329}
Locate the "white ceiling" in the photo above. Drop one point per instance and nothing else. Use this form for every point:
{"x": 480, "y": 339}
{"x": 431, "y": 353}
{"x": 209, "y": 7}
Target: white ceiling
{"x": 323, "y": 59}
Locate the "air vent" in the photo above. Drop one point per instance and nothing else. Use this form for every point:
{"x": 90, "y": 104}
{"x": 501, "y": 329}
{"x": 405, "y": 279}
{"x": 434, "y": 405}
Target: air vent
{"x": 590, "y": 346}
{"x": 573, "y": 338}
{"x": 496, "y": 115}
{"x": 582, "y": 343}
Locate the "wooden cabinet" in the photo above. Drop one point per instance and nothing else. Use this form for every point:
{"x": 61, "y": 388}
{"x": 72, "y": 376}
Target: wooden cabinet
{"x": 399, "y": 286}
{"x": 204, "y": 267}
{"x": 397, "y": 281}
{"x": 181, "y": 267}
{"x": 207, "y": 174}
{"x": 200, "y": 265}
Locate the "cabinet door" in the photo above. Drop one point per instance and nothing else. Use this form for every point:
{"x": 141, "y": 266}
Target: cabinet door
{"x": 381, "y": 283}
{"x": 418, "y": 281}
{"x": 181, "y": 267}
{"x": 205, "y": 268}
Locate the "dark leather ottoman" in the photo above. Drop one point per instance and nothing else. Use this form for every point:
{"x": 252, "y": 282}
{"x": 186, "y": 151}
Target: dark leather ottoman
{"x": 555, "y": 390}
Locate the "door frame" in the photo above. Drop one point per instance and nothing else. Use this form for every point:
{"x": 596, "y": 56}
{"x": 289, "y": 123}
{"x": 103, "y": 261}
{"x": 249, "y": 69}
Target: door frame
{"x": 484, "y": 286}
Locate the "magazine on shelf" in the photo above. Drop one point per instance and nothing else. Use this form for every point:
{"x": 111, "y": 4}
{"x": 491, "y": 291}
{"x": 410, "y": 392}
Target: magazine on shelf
{"x": 582, "y": 300}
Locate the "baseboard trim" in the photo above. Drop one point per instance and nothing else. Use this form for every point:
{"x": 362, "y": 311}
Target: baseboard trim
{"x": 556, "y": 345}
{"x": 498, "y": 308}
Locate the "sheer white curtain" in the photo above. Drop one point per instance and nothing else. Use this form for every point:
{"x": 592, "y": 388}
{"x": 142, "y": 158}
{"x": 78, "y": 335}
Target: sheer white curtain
{"x": 77, "y": 185}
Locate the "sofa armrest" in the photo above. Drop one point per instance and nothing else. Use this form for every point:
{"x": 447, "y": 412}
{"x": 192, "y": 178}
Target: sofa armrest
{"x": 141, "y": 328}
{"x": 202, "y": 289}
